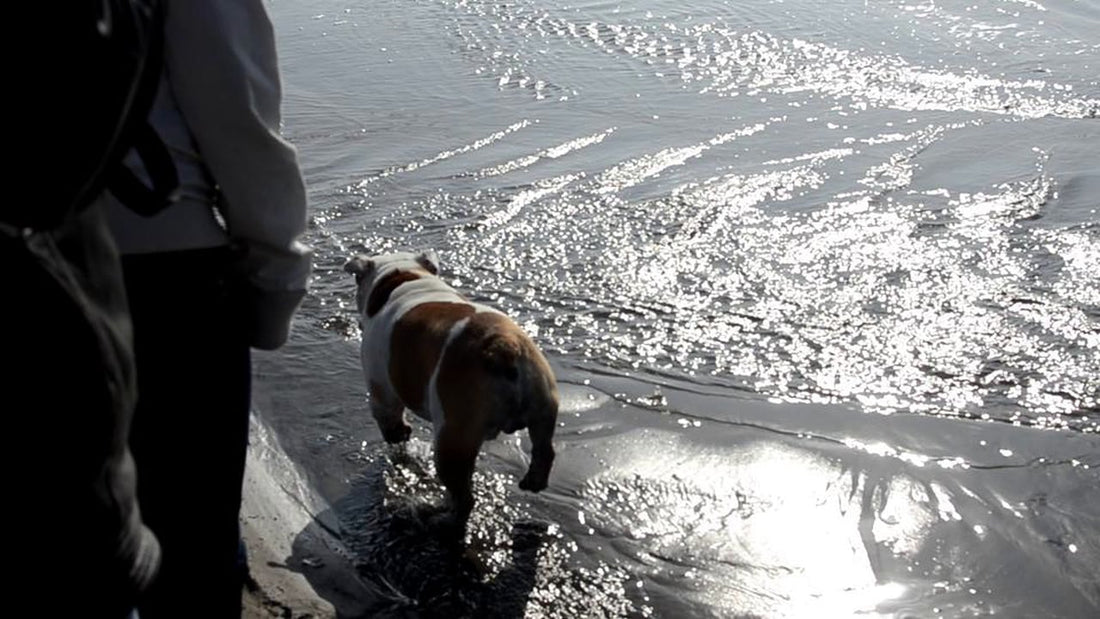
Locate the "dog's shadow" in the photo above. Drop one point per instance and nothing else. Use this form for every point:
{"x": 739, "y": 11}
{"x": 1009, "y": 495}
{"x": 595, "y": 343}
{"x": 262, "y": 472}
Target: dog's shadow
{"x": 390, "y": 522}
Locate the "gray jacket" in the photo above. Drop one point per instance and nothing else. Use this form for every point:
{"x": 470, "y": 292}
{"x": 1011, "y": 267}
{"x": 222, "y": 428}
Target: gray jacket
{"x": 217, "y": 110}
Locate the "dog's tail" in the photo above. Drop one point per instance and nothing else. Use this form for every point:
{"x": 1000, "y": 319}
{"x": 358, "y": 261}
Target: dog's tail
{"x": 503, "y": 355}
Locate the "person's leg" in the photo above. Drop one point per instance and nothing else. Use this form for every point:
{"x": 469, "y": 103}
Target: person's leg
{"x": 190, "y": 431}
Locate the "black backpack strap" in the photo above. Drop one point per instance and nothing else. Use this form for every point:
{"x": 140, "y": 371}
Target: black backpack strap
{"x": 134, "y": 194}
{"x": 124, "y": 184}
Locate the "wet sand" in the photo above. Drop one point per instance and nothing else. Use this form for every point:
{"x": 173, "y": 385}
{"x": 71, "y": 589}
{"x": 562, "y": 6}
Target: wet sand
{"x": 275, "y": 510}
{"x": 660, "y": 505}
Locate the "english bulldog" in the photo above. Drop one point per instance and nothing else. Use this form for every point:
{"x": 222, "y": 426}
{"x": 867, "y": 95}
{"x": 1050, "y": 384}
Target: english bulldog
{"x": 465, "y": 367}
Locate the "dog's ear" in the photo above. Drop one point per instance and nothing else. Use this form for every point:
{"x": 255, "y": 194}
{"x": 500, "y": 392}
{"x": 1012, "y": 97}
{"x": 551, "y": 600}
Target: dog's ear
{"x": 430, "y": 261}
{"x": 359, "y": 266}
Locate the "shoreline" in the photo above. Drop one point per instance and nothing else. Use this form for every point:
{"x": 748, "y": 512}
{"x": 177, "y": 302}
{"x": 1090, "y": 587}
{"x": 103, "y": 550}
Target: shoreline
{"x": 288, "y": 548}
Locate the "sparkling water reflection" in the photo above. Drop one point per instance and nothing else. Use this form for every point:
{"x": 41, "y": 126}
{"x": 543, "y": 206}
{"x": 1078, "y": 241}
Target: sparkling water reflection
{"x": 819, "y": 279}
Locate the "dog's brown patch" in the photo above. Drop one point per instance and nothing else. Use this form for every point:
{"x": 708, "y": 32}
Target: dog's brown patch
{"x": 382, "y": 290}
{"x": 416, "y": 346}
{"x": 470, "y": 401}
{"x": 489, "y": 348}
{"x": 492, "y": 349}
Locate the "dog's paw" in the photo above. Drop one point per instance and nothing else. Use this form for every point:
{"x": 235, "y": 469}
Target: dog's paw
{"x": 442, "y": 523}
{"x": 429, "y": 515}
{"x": 397, "y": 434}
{"x": 533, "y": 482}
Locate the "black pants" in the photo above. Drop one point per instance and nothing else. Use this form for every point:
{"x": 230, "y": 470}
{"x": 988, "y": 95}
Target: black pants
{"x": 190, "y": 429}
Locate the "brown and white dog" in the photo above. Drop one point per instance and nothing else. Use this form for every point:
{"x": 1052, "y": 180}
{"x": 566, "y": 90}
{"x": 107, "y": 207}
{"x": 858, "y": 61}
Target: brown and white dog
{"x": 465, "y": 367}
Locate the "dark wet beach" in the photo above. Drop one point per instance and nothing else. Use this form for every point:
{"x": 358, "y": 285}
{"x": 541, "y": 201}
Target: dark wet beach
{"x": 820, "y": 281}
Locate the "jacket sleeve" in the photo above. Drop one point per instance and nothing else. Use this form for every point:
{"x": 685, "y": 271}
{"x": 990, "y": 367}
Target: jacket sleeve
{"x": 221, "y": 60}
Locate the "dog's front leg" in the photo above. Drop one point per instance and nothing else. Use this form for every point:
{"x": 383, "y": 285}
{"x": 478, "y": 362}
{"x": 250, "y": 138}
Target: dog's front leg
{"x": 389, "y": 412}
{"x": 456, "y": 450}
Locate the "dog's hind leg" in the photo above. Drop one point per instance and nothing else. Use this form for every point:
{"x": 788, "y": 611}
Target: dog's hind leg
{"x": 456, "y": 449}
{"x": 542, "y": 417}
{"x": 389, "y": 412}
{"x": 541, "y": 431}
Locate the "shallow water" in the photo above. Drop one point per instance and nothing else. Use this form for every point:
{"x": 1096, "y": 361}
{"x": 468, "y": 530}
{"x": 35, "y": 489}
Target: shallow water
{"x": 819, "y": 281}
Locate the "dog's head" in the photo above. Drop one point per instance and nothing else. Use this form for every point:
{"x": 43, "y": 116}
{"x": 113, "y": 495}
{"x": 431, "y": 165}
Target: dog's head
{"x": 375, "y": 272}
